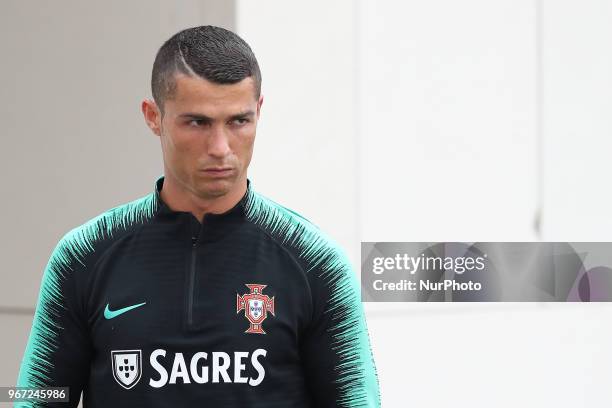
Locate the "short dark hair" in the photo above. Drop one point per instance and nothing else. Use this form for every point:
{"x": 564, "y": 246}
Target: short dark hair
{"x": 213, "y": 53}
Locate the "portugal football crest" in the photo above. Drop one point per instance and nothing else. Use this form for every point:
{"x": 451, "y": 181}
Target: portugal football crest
{"x": 256, "y": 307}
{"x": 127, "y": 367}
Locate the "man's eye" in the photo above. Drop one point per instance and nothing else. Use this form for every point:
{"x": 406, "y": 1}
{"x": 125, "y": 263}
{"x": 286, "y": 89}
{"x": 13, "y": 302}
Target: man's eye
{"x": 241, "y": 121}
{"x": 196, "y": 122}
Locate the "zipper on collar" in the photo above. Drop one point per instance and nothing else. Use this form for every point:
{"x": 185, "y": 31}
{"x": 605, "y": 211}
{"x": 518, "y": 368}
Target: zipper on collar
{"x": 190, "y": 294}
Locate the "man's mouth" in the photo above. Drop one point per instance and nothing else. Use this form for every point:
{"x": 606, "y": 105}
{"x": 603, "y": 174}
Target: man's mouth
{"x": 218, "y": 171}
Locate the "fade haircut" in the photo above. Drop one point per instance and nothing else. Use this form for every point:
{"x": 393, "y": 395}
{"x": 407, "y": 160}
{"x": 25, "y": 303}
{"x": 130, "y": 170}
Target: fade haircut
{"x": 213, "y": 53}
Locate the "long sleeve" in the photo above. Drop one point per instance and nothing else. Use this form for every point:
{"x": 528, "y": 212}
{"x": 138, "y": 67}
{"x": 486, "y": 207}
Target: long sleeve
{"x": 58, "y": 353}
{"x": 336, "y": 352}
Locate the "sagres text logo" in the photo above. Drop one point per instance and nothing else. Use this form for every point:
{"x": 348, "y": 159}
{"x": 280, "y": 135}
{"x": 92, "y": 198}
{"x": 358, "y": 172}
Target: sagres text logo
{"x": 127, "y": 367}
{"x": 256, "y": 307}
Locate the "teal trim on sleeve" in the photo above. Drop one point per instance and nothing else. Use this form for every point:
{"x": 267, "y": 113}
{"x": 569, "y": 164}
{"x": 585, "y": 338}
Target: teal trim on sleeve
{"x": 356, "y": 376}
{"x": 36, "y": 368}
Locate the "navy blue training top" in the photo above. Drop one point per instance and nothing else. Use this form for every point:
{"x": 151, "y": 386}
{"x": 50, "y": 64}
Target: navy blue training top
{"x": 144, "y": 306}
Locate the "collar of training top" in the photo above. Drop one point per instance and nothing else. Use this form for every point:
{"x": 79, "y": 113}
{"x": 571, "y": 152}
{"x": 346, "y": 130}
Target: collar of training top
{"x": 236, "y": 213}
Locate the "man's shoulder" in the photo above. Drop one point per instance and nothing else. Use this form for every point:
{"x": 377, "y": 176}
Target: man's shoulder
{"x": 259, "y": 207}
{"x": 296, "y": 232}
{"x": 99, "y": 232}
{"x": 278, "y": 219}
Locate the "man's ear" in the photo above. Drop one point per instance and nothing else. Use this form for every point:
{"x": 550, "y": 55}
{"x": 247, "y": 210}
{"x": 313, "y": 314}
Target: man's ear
{"x": 152, "y": 115}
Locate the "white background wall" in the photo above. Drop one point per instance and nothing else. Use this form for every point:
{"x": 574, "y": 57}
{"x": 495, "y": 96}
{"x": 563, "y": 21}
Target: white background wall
{"x": 447, "y": 119}
{"x": 577, "y": 120}
{"x": 382, "y": 121}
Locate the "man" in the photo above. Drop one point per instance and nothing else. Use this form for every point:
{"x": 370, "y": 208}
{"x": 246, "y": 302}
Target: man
{"x": 204, "y": 292}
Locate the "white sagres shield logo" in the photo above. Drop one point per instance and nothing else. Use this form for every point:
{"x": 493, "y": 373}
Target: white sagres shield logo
{"x": 127, "y": 367}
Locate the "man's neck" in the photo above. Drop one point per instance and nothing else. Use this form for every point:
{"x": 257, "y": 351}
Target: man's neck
{"x": 180, "y": 199}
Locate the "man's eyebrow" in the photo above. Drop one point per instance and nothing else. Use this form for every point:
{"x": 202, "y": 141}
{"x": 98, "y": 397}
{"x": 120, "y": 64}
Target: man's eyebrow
{"x": 194, "y": 116}
{"x": 199, "y": 116}
{"x": 243, "y": 114}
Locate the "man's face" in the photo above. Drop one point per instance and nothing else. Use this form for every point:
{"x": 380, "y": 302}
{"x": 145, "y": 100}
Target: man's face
{"x": 207, "y": 127}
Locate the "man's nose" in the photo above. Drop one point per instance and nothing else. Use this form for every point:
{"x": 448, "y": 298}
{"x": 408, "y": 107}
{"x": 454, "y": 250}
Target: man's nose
{"x": 218, "y": 142}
